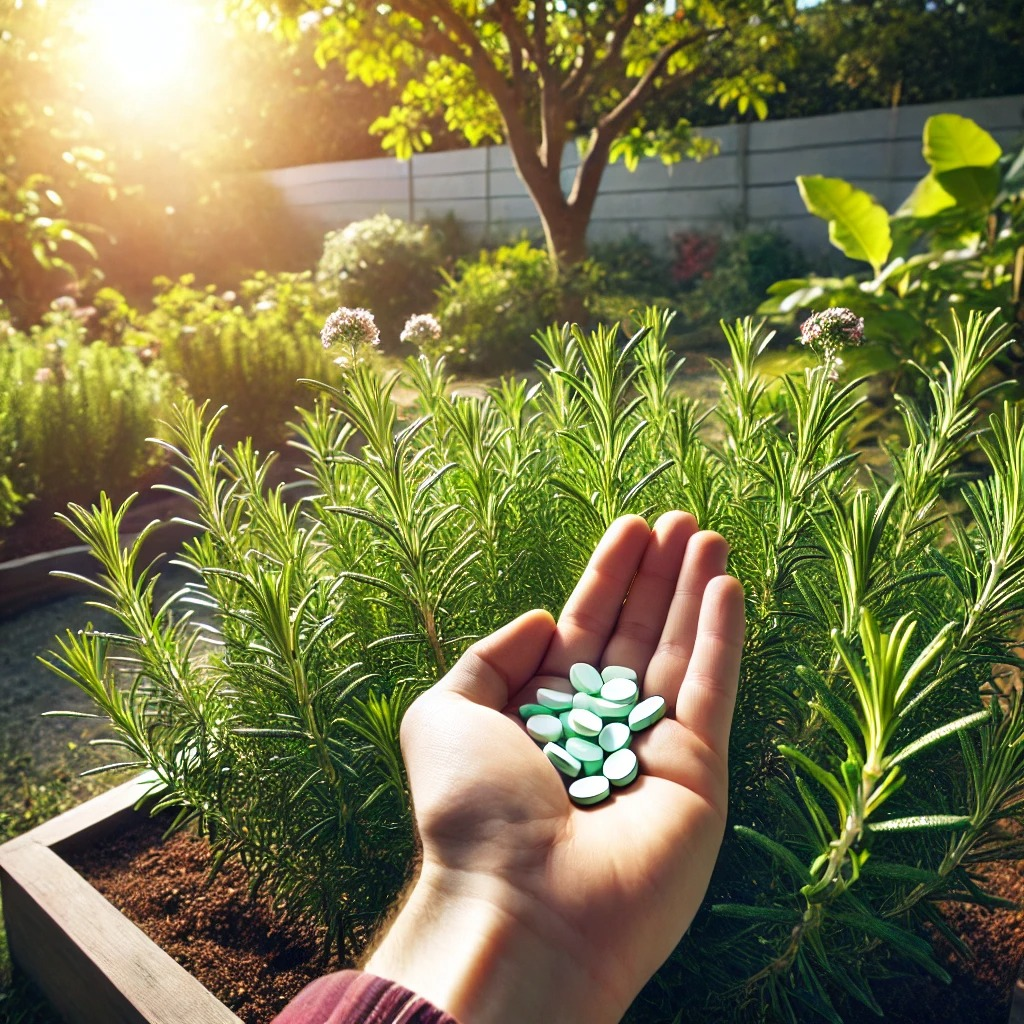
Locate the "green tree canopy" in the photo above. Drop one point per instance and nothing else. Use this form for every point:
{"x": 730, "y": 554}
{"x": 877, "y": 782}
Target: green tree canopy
{"x": 540, "y": 73}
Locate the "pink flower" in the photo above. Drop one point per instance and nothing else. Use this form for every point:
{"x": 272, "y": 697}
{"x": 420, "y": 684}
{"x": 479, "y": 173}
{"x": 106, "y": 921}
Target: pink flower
{"x": 354, "y": 328}
{"x": 420, "y": 329}
{"x": 43, "y": 375}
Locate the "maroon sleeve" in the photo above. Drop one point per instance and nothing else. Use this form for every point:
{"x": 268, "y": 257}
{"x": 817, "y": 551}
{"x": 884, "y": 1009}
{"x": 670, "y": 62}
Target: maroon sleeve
{"x": 351, "y": 997}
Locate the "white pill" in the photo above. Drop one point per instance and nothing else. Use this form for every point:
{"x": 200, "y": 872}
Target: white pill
{"x": 585, "y": 678}
{"x": 620, "y": 768}
{"x": 562, "y": 760}
{"x": 557, "y": 700}
{"x": 618, "y": 672}
{"x": 584, "y": 723}
{"x": 620, "y": 691}
{"x": 581, "y": 700}
{"x": 615, "y": 736}
{"x": 591, "y": 789}
{"x": 544, "y": 728}
{"x": 646, "y": 713}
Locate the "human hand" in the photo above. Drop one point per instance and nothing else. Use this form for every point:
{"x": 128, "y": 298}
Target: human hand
{"x": 529, "y": 908}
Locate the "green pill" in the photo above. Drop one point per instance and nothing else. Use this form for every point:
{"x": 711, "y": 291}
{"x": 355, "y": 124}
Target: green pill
{"x": 615, "y": 736}
{"x": 621, "y": 768}
{"x": 544, "y": 728}
{"x": 562, "y": 760}
{"x": 646, "y": 713}
{"x": 529, "y": 710}
{"x": 618, "y": 672}
{"x": 591, "y": 789}
{"x": 589, "y": 754}
{"x": 585, "y": 678}
{"x": 567, "y": 730}
{"x": 556, "y": 700}
{"x": 620, "y": 691}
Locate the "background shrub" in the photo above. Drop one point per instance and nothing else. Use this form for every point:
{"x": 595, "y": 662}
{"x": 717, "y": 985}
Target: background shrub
{"x": 246, "y": 349}
{"x": 491, "y": 306}
{"x": 387, "y": 266}
{"x": 79, "y": 414}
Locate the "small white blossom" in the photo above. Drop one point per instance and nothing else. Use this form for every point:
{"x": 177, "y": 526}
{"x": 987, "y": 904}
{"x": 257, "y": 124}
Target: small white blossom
{"x": 420, "y": 329}
{"x": 354, "y": 328}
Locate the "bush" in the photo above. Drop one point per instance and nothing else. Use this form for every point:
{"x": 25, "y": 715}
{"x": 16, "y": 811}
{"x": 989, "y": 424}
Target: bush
{"x": 77, "y": 415}
{"x": 385, "y": 265}
{"x": 246, "y": 350}
{"x": 721, "y": 277}
{"x": 491, "y": 306}
{"x": 874, "y": 767}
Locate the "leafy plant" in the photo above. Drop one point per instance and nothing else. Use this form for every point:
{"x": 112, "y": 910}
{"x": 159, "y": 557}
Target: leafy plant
{"x": 955, "y": 242}
{"x": 874, "y": 760}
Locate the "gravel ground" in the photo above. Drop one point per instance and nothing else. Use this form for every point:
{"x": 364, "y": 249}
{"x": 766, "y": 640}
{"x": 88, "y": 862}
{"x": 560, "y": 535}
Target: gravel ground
{"x": 28, "y": 688}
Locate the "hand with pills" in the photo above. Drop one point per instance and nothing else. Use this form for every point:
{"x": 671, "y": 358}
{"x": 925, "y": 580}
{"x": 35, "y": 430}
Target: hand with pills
{"x": 535, "y": 901}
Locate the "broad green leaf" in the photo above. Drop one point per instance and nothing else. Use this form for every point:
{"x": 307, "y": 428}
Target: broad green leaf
{"x": 952, "y": 142}
{"x": 927, "y": 199}
{"x": 857, "y": 224}
{"x": 973, "y": 188}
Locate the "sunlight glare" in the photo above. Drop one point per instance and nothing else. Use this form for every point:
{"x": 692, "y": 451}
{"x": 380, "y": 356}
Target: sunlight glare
{"x": 141, "y": 45}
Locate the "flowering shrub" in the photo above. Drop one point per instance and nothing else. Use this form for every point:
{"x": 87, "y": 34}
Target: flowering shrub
{"x": 386, "y": 265}
{"x": 874, "y": 763}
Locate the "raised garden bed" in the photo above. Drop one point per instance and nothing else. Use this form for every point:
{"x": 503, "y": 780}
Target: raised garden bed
{"x": 91, "y": 962}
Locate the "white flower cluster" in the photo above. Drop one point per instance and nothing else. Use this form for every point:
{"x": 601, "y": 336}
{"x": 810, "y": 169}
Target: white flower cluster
{"x": 421, "y": 328}
{"x": 354, "y": 328}
{"x": 828, "y": 332}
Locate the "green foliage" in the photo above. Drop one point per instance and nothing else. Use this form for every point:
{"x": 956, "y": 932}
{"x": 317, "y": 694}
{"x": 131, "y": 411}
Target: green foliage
{"x": 385, "y": 265}
{"x": 246, "y": 350}
{"x": 490, "y": 307}
{"x": 873, "y": 763}
{"x": 75, "y": 416}
{"x": 955, "y": 242}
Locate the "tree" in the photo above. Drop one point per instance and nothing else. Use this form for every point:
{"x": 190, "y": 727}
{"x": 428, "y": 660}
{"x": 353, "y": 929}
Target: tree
{"x": 540, "y": 73}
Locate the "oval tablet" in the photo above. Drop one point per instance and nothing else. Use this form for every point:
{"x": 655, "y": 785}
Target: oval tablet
{"x": 646, "y": 713}
{"x": 608, "y": 708}
{"x": 544, "y": 728}
{"x": 562, "y": 760}
{"x": 567, "y": 730}
{"x": 584, "y": 722}
{"x": 615, "y": 736}
{"x": 557, "y": 700}
{"x": 591, "y": 789}
{"x": 621, "y": 767}
{"x": 620, "y": 691}
{"x": 618, "y": 672}
{"x": 581, "y": 700}
{"x": 585, "y": 678}
{"x": 584, "y": 751}
{"x": 529, "y": 710}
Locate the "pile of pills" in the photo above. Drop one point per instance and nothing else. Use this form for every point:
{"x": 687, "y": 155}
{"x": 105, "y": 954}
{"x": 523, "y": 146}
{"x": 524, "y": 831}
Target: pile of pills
{"x": 587, "y": 734}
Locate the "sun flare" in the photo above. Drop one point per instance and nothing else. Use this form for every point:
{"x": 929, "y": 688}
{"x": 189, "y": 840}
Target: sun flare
{"x": 145, "y": 46}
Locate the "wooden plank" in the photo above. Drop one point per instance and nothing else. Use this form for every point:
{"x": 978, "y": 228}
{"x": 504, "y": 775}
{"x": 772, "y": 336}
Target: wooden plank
{"x": 87, "y": 958}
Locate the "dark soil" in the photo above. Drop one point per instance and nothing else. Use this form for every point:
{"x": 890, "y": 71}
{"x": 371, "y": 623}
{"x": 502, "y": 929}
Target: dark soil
{"x": 243, "y": 953}
{"x": 236, "y": 946}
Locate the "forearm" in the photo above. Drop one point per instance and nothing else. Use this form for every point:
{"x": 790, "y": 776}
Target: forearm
{"x": 486, "y": 958}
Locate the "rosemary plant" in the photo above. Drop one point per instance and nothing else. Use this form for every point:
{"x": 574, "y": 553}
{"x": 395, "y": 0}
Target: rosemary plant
{"x": 875, "y": 758}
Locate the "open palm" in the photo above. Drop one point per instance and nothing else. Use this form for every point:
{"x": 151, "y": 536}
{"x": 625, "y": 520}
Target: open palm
{"x": 606, "y": 891}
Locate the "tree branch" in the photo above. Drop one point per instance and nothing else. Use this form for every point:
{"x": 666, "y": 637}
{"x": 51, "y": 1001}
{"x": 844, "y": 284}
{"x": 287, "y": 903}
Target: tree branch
{"x": 582, "y": 83}
{"x": 612, "y": 122}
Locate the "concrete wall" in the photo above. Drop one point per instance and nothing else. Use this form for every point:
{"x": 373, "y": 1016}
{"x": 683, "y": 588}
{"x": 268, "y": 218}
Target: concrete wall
{"x": 750, "y": 181}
